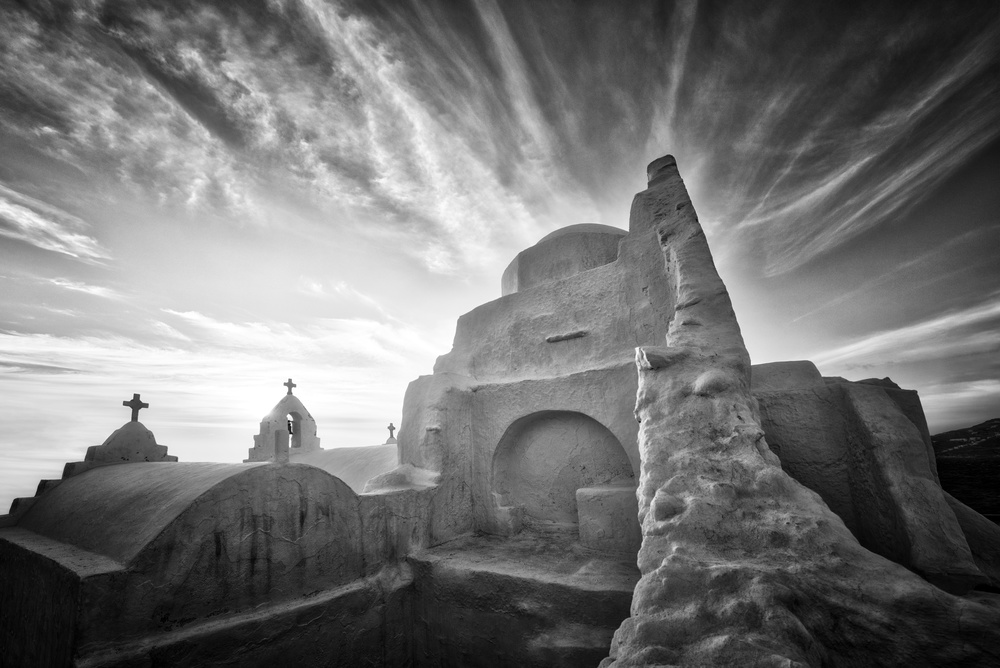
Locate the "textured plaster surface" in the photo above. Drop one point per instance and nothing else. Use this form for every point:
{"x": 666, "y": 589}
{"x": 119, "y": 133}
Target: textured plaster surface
{"x": 355, "y": 466}
{"x": 131, "y": 442}
{"x": 907, "y": 518}
{"x": 609, "y": 518}
{"x": 742, "y": 565}
{"x": 862, "y": 447}
{"x": 564, "y": 253}
{"x": 435, "y": 436}
{"x": 799, "y": 374}
{"x": 117, "y": 511}
{"x": 561, "y": 344}
{"x": 540, "y": 464}
{"x": 537, "y": 599}
{"x": 805, "y": 427}
{"x": 607, "y": 311}
{"x": 177, "y": 560}
{"x": 364, "y": 623}
{"x": 499, "y": 410}
{"x": 40, "y": 588}
{"x": 983, "y": 537}
{"x": 303, "y": 439}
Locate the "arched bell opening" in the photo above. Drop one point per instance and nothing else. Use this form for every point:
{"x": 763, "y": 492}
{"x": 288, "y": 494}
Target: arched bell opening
{"x": 294, "y": 429}
{"x": 546, "y": 460}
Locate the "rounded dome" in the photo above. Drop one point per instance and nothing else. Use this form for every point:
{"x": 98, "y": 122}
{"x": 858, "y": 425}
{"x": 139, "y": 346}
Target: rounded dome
{"x": 562, "y": 253}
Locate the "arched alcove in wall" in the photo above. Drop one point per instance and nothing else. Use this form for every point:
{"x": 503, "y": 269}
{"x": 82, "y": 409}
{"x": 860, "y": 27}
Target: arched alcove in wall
{"x": 543, "y": 458}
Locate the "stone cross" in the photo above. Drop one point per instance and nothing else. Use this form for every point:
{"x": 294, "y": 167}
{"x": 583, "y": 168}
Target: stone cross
{"x": 391, "y": 429}
{"x": 289, "y": 385}
{"x": 135, "y": 405}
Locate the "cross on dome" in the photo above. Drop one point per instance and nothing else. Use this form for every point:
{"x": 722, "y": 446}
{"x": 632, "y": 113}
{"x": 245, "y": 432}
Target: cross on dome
{"x": 135, "y": 404}
{"x": 289, "y": 385}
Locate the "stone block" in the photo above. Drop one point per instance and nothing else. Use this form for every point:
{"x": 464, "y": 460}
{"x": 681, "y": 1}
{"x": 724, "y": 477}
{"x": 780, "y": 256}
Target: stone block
{"x": 609, "y": 518}
{"x": 784, "y": 375}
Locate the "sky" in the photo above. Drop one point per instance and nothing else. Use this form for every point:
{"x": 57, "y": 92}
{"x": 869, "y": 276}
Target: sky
{"x": 199, "y": 200}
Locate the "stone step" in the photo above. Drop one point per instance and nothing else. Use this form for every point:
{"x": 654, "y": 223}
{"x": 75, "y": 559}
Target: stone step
{"x": 46, "y": 485}
{"x": 76, "y": 468}
{"x": 493, "y": 603}
{"x": 21, "y": 504}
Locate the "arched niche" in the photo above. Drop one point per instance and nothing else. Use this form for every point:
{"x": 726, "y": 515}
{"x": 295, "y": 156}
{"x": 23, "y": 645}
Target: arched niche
{"x": 544, "y": 458}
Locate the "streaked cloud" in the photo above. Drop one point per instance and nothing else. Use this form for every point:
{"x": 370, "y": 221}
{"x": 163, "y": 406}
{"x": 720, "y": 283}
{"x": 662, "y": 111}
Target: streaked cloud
{"x": 44, "y": 226}
{"x": 355, "y": 342}
{"x": 77, "y": 286}
{"x": 28, "y": 367}
{"x": 281, "y": 184}
{"x": 973, "y": 330}
{"x": 915, "y": 269}
{"x": 341, "y": 290}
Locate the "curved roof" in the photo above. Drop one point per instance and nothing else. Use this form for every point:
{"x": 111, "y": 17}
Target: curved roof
{"x": 288, "y": 404}
{"x": 116, "y": 510}
{"x": 355, "y": 466}
{"x": 583, "y": 228}
{"x": 560, "y": 254}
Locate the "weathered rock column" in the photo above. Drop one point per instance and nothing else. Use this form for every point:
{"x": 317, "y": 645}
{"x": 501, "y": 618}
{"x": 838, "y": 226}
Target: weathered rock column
{"x": 741, "y": 565}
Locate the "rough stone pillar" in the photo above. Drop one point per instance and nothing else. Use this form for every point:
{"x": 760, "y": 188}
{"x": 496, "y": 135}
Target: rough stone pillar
{"x": 740, "y": 564}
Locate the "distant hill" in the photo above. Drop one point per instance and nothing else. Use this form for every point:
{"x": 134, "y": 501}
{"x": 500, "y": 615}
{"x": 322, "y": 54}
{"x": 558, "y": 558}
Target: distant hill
{"x": 968, "y": 463}
{"x": 980, "y": 440}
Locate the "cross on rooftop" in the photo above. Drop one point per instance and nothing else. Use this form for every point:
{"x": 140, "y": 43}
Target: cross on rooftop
{"x": 289, "y": 385}
{"x": 135, "y": 404}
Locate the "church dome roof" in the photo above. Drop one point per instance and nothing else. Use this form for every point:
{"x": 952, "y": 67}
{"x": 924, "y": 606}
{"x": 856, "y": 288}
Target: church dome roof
{"x": 562, "y": 253}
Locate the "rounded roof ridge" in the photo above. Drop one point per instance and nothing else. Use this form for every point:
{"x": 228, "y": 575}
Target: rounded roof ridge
{"x": 583, "y": 228}
{"x": 116, "y": 510}
{"x": 286, "y": 404}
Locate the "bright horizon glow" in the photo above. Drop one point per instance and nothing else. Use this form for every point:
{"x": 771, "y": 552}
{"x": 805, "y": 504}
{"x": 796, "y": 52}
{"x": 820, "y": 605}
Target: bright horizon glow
{"x": 200, "y": 200}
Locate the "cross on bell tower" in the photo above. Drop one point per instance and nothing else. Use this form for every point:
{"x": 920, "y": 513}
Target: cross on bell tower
{"x": 136, "y": 404}
{"x": 289, "y": 385}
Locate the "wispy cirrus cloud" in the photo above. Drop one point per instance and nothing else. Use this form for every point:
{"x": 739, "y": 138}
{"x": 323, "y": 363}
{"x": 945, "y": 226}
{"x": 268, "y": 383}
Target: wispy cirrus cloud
{"x": 355, "y": 342}
{"x": 44, "y": 226}
{"x": 970, "y": 331}
{"x": 915, "y": 269}
{"x": 339, "y": 116}
{"x": 795, "y": 155}
{"x": 341, "y": 290}
{"x": 86, "y": 288}
{"x": 462, "y": 134}
{"x": 30, "y": 367}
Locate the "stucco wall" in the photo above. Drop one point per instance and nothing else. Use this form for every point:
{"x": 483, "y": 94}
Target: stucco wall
{"x": 603, "y": 313}
{"x": 268, "y": 534}
{"x": 196, "y": 550}
{"x": 805, "y": 428}
{"x": 602, "y": 395}
{"x": 39, "y": 594}
{"x": 566, "y": 252}
{"x": 854, "y": 445}
{"x": 544, "y": 458}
